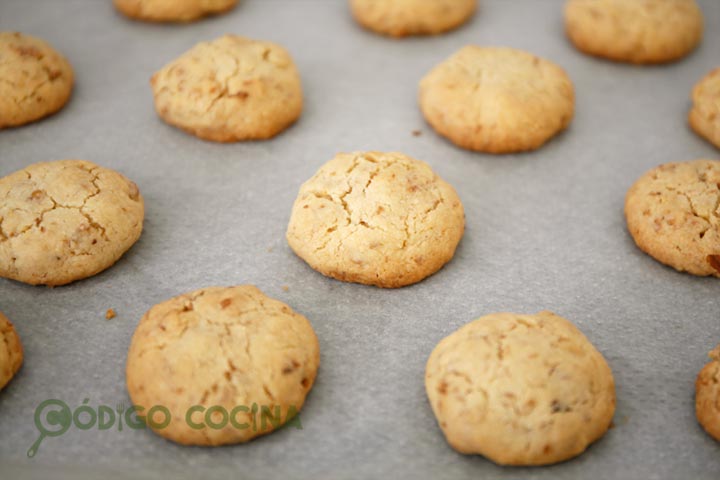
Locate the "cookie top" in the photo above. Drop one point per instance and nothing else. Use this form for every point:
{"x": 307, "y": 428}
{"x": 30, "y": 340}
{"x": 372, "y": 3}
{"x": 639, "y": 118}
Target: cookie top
{"x": 705, "y": 113}
{"x": 636, "y": 31}
{"x": 707, "y": 395}
{"x": 520, "y": 389}
{"x": 381, "y": 219}
{"x": 36, "y": 79}
{"x": 172, "y": 10}
{"x": 229, "y": 347}
{"x": 65, "y": 220}
{"x": 497, "y": 100}
{"x": 230, "y": 89}
{"x": 11, "y": 351}
{"x": 399, "y": 18}
{"x": 673, "y": 214}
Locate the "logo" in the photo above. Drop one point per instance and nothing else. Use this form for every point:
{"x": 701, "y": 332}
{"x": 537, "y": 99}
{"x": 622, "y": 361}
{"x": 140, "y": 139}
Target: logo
{"x": 54, "y": 418}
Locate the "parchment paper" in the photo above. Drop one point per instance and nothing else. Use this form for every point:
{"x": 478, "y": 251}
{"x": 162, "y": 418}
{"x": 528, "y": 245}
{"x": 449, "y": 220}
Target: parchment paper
{"x": 545, "y": 230}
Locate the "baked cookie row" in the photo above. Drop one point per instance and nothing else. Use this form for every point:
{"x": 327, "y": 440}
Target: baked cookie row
{"x": 517, "y": 389}
{"x": 637, "y": 31}
{"x": 487, "y": 99}
{"x": 382, "y": 219}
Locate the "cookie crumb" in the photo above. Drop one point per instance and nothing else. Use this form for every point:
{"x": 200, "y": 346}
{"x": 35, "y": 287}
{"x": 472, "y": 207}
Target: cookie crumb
{"x": 416, "y": 133}
{"x": 269, "y": 249}
{"x": 110, "y": 314}
{"x": 285, "y": 288}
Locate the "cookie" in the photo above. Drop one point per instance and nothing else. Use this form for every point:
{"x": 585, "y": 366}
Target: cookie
{"x": 35, "y": 80}
{"x": 172, "y": 10}
{"x": 497, "y": 100}
{"x": 707, "y": 395}
{"x": 222, "y": 349}
{"x": 381, "y": 219}
{"x": 673, "y": 215}
{"x": 230, "y": 89}
{"x": 400, "y": 18}
{"x": 634, "y": 31}
{"x": 520, "y": 389}
{"x": 66, "y": 220}
{"x": 705, "y": 113}
{"x": 11, "y": 351}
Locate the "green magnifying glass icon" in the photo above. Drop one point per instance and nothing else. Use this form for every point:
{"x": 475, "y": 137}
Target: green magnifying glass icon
{"x": 52, "y": 419}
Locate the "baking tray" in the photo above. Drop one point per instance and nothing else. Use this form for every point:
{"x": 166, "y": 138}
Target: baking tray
{"x": 545, "y": 230}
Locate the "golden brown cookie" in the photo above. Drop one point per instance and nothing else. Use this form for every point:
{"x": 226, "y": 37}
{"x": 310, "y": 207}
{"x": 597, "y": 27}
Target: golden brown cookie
{"x": 705, "y": 114}
{"x": 673, "y": 213}
{"x": 520, "y": 389}
{"x": 497, "y": 100}
{"x": 11, "y": 351}
{"x": 216, "y": 359}
{"x": 381, "y": 219}
{"x": 399, "y": 18}
{"x": 707, "y": 395}
{"x": 173, "y": 10}
{"x": 35, "y": 80}
{"x": 230, "y": 89}
{"x": 66, "y": 220}
{"x": 635, "y": 31}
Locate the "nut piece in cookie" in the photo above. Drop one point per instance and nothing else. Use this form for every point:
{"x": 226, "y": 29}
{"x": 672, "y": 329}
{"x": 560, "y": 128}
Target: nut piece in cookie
{"x": 707, "y": 395}
{"x": 11, "y": 351}
{"x": 35, "y": 80}
{"x": 172, "y": 10}
{"x": 520, "y": 389}
{"x": 704, "y": 116}
{"x": 381, "y": 219}
{"x": 230, "y": 89}
{"x": 497, "y": 100}
{"x": 66, "y": 220}
{"x": 673, "y": 214}
{"x": 400, "y": 18}
{"x": 228, "y": 363}
{"x": 634, "y": 31}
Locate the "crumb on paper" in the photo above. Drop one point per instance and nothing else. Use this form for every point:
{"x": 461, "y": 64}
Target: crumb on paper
{"x": 416, "y": 133}
{"x": 270, "y": 249}
{"x": 110, "y": 314}
{"x": 285, "y": 288}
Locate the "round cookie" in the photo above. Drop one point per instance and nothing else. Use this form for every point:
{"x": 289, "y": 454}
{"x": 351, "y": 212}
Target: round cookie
{"x": 228, "y": 348}
{"x": 635, "y": 31}
{"x": 520, "y": 389}
{"x": 172, "y": 10}
{"x": 35, "y": 80}
{"x": 707, "y": 395}
{"x": 230, "y": 89}
{"x": 11, "y": 351}
{"x": 399, "y": 18}
{"x": 497, "y": 100}
{"x": 673, "y": 215}
{"x": 704, "y": 116}
{"x": 381, "y": 219}
{"x": 65, "y": 220}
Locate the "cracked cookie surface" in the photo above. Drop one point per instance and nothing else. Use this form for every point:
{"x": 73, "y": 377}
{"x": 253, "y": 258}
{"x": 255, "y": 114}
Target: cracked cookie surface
{"x": 399, "y": 18}
{"x": 11, "y": 351}
{"x": 520, "y": 389}
{"x": 704, "y": 116}
{"x": 673, "y": 214}
{"x": 497, "y": 100}
{"x": 65, "y": 220}
{"x": 707, "y": 395}
{"x": 381, "y": 219}
{"x": 230, "y": 89}
{"x": 221, "y": 346}
{"x": 635, "y": 31}
{"x": 35, "y": 80}
{"x": 172, "y": 10}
